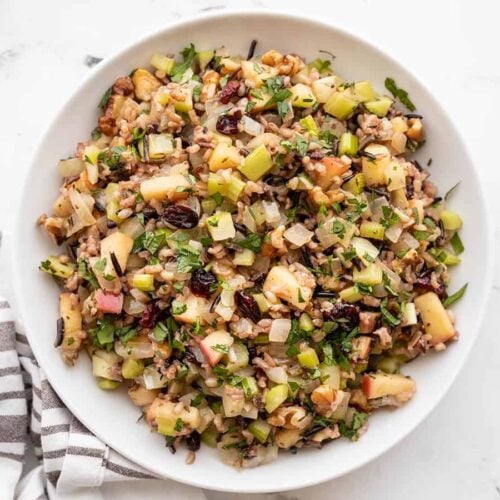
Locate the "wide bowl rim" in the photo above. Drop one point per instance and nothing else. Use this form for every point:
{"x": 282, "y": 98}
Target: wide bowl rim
{"x": 360, "y": 39}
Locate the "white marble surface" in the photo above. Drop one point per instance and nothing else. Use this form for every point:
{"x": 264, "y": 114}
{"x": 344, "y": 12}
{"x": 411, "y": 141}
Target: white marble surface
{"x": 451, "y": 44}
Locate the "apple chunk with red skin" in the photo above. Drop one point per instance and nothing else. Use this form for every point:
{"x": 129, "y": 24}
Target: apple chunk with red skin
{"x": 378, "y": 385}
{"x": 214, "y": 345}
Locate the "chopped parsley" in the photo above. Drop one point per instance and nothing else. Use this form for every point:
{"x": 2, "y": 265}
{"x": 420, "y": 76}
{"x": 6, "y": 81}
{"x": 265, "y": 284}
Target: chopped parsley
{"x": 188, "y": 259}
{"x": 389, "y": 217}
{"x": 387, "y": 316}
{"x": 222, "y": 348}
{"x": 451, "y": 299}
{"x": 399, "y": 93}
{"x": 178, "y": 307}
{"x": 251, "y": 242}
{"x": 87, "y": 274}
{"x": 151, "y": 241}
{"x": 105, "y": 99}
{"x": 450, "y": 191}
{"x": 456, "y": 244}
{"x": 351, "y": 430}
{"x": 188, "y": 56}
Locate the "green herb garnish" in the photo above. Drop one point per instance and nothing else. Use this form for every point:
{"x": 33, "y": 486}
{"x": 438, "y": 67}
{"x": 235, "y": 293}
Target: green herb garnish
{"x": 399, "y": 93}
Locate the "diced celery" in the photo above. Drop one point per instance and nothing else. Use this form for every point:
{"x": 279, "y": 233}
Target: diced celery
{"x": 185, "y": 105}
{"x": 348, "y": 144}
{"x": 308, "y": 358}
{"x": 234, "y": 188}
{"x": 447, "y": 258}
{"x": 261, "y": 339}
{"x": 363, "y": 91}
{"x": 356, "y": 184}
{"x": 110, "y": 190}
{"x": 257, "y": 163}
{"x": 370, "y": 275}
{"x": 451, "y": 220}
{"x": 389, "y": 364}
{"x": 408, "y": 314}
{"x": 112, "y": 209}
{"x": 156, "y": 147}
{"x": 350, "y": 294}
{"x": 204, "y": 57}
{"x": 108, "y": 385}
{"x": 220, "y": 226}
{"x": 372, "y": 230}
{"x": 52, "y": 265}
{"x": 302, "y": 96}
{"x": 132, "y": 368}
{"x": 249, "y": 385}
{"x": 241, "y": 357}
{"x": 144, "y": 282}
{"x": 257, "y": 211}
{"x": 330, "y": 375}
{"x": 380, "y": 107}
{"x": 261, "y": 302}
{"x": 304, "y": 183}
{"x": 310, "y": 125}
{"x": 215, "y": 184}
{"x": 244, "y": 258}
{"x": 365, "y": 250}
{"x": 208, "y": 205}
{"x": 305, "y": 322}
{"x": 340, "y": 105}
{"x": 162, "y": 63}
{"x": 275, "y": 397}
{"x": 260, "y": 429}
{"x": 210, "y": 437}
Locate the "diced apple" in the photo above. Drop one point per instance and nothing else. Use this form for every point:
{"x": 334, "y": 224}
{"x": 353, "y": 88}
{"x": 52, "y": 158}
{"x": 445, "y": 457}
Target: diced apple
{"x": 71, "y": 314}
{"x": 333, "y": 168}
{"x": 197, "y": 309}
{"x": 378, "y": 385}
{"x": 285, "y": 285}
{"x": 395, "y": 176}
{"x": 120, "y": 245}
{"x": 159, "y": 188}
{"x": 323, "y": 88}
{"x": 141, "y": 396}
{"x": 108, "y": 302}
{"x": 380, "y": 107}
{"x": 257, "y": 163}
{"x": 363, "y": 91}
{"x": 224, "y": 156}
{"x": 302, "y": 96}
{"x": 145, "y": 84}
{"x": 215, "y": 345}
{"x": 220, "y": 226}
{"x": 436, "y": 321}
{"x": 256, "y": 73}
{"x": 374, "y": 170}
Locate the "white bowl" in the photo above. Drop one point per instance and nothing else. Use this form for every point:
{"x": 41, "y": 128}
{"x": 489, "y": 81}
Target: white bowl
{"x": 110, "y": 415}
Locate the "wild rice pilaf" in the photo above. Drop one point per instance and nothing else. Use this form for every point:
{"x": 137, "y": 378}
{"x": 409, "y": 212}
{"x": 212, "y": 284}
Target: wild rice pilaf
{"x": 250, "y": 251}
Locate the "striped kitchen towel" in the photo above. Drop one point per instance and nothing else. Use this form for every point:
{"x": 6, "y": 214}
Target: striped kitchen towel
{"x": 73, "y": 462}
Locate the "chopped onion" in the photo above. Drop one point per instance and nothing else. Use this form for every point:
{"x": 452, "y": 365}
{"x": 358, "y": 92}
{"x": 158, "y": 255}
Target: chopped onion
{"x": 251, "y": 127}
{"x": 132, "y": 306}
{"x": 280, "y": 328}
{"x": 277, "y": 374}
{"x": 271, "y": 211}
{"x": 140, "y": 295}
{"x": 153, "y": 379}
{"x": 393, "y": 232}
{"x": 376, "y": 208}
{"x": 249, "y": 411}
{"x": 92, "y": 173}
{"x": 71, "y": 167}
{"x": 248, "y": 220}
{"x": 135, "y": 349}
{"x": 132, "y": 227}
{"x": 80, "y": 204}
{"x": 266, "y": 138}
{"x": 263, "y": 455}
{"x": 298, "y": 235}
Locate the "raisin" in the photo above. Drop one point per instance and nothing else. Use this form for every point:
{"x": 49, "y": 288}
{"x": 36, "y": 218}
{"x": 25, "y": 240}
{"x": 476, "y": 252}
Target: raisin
{"x": 202, "y": 283}
{"x": 193, "y": 441}
{"x": 345, "y": 315}
{"x": 425, "y": 283}
{"x": 229, "y": 91}
{"x": 150, "y": 315}
{"x": 181, "y": 216}
{"x": 247, "y": 306}
{"x": 227, "y": 125}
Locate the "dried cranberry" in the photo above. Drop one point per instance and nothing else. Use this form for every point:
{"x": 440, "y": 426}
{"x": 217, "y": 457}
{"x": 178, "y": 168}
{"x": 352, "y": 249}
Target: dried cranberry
{"x": 345, "y": 315}
{"x": 425, "y": 283}
{"x": 181, "y": 216}
{"x": 316, "y": 155}
{"x": 150, "y": 315}
{"x": 229, "y": 91}
{"x": 193, "y": 441}
{"x": 202, "y": 282}
{"x": 227, "y": 124}
{"x": 247, "y": 306}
